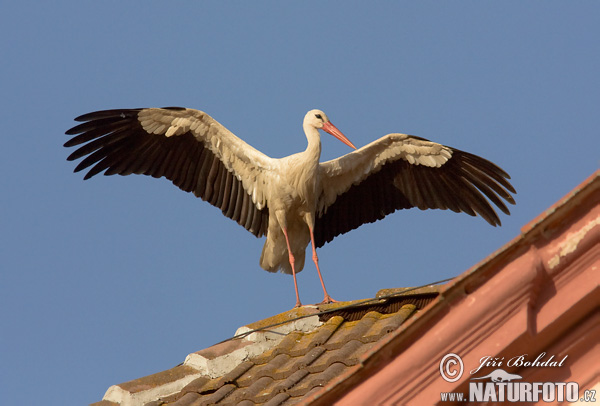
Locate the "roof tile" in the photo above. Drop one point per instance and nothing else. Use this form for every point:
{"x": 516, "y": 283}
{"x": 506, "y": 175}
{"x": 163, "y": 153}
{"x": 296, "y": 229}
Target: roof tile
{"x": 389, "y": 323}
{"x": 322, "y": 335}
{"x": 259, "y": 391}
{"x": 278, "y": 364}
{"x": 278, "y": 400}
{"x": 246, "y": 403}
{"x": 292, "y": 380}
{"x": 308, "y": 358}
{"x": 317, "y": 380}
{"x": 219, "y": 395}
{"x": 303, "y": 345}
{"x": 347, "y": 355}
{"x": 284, "y": 347}
{"x": 343, "y": 335}
{"x": 196, "y": 385}
{"x": 270, "y": 369}
{"x": 189, "y": 399}
{"x": 364, "y": 324}
{"x": 237, "y": 372}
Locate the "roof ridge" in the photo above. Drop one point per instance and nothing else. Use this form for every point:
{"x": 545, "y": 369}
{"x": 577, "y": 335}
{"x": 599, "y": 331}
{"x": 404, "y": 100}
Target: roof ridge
{"x": 224, "y": 357}
{"x": 292, "y": 353}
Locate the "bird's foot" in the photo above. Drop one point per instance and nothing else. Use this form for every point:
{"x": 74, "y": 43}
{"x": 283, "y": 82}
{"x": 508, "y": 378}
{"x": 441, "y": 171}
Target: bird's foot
{"x": 298, "y": 304}
{"x": 327, "y": 299}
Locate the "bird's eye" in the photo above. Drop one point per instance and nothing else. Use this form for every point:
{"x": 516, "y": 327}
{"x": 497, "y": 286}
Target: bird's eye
{"x": 319, "y": 116}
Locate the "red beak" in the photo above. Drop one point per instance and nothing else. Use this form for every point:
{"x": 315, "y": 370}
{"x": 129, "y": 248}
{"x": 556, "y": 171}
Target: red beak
{"x": 331, "y": 129}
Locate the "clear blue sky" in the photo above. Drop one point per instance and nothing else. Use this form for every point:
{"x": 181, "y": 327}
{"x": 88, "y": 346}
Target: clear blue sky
{"x": 116, "y": 278}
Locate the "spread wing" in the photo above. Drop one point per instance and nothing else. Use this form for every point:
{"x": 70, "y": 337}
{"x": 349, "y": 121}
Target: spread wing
{"x": 400, "y": 171}
{"x": 186, "y": 146}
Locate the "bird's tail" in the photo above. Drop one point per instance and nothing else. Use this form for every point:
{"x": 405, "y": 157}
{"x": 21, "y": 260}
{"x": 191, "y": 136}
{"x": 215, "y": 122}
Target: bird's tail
{"x": 275, "y": 256}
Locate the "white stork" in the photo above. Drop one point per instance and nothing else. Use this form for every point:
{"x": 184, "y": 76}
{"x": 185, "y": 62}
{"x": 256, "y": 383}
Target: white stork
{"x": 296, "y": 199}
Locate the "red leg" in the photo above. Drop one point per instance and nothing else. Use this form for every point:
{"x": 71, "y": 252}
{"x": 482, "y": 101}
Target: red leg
{"x": 327, "y": 298}
{"x": 292, "y": 260}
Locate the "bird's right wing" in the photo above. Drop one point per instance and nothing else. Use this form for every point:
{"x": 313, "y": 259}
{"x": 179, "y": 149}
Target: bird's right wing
{"x": 186, "y": 146}
{"x": 400, "y": 171}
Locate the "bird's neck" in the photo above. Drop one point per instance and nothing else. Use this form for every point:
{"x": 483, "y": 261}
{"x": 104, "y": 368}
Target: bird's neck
{"x": 313, "y": 149}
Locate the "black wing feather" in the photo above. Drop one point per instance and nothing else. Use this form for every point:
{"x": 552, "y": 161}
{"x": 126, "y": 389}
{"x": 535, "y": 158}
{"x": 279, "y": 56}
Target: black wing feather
{"x": 462, "y": 184}
{"x": 114, "y": 141}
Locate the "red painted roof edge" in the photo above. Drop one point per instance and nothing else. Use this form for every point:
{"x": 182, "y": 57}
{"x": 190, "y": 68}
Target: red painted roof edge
{"x": 461, "y": 286}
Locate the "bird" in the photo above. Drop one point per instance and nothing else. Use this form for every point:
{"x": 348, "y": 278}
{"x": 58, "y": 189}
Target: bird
{"x": 294, "y": 200}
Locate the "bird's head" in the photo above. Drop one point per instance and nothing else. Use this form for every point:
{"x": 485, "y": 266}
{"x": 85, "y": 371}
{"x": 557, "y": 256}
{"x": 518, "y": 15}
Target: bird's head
{"x": 319, "y": 120}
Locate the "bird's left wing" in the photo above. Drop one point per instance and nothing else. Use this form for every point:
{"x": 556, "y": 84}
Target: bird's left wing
{"x": 186, "y": 146}
{"x": 400, "y": 171}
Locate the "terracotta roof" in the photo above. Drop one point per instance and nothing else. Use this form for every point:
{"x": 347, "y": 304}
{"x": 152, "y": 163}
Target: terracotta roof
{"x": 538, "y": 294}
{"x": 328, "y": 354}
{"x": 279, "y": 360}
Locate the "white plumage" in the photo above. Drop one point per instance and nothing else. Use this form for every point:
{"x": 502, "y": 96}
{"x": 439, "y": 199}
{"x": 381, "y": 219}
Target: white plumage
{"x": 295, "y": 199}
